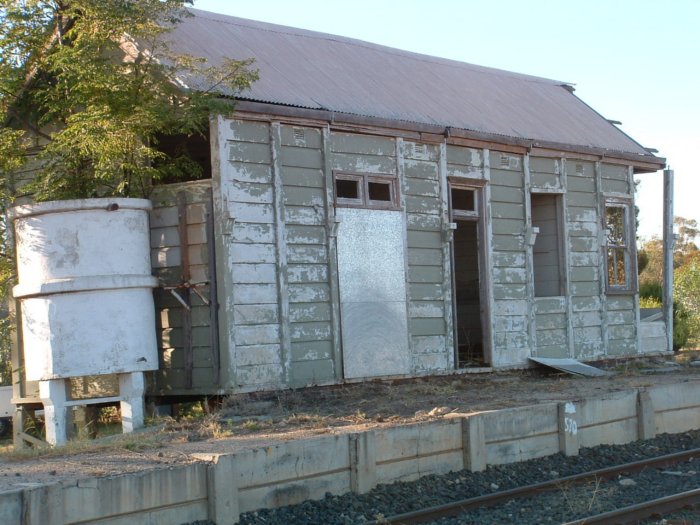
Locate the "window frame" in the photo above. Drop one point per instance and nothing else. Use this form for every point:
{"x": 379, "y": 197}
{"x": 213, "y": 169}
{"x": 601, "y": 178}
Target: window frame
{"x": 628, "y": 247}
{"x": 561, "y": 242}
{"x": 476, "y": 186}
{"x": 363, "y": 201}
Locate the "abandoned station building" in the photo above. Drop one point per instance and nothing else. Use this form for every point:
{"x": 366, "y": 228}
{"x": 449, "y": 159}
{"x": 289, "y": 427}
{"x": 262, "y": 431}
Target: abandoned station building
{"x": 373, "y": 212}
{"x": 384, "y": 213}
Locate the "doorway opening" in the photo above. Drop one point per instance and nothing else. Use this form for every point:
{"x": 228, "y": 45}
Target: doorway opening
{"x": 468, "y": 288}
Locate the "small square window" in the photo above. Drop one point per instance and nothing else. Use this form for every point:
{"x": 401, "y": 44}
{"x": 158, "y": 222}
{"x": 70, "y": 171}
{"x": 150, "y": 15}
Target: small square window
{"x": 379, "y": 191}
{"x": 347, "y": 189}
{"x": 362, "y": 190}
{"x": 463, "y": 199}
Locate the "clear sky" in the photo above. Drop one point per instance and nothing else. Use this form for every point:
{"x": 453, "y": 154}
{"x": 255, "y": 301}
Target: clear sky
{"x": 635, "y": 61}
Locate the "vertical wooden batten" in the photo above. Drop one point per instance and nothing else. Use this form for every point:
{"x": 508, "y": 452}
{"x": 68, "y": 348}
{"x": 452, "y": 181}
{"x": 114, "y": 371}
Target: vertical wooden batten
{"x": 601, "y": 263}
{"x": 529, "y": 263}
{"x": 568, "y": 299}
{"x": 403, "y": 189}
{"x": 213, "y": 291}
{"x": 281, "y": 248}
{"x": 634, "y": 272}
{"x": 184, "y": 291}
{"x": 447, "y": 260}
{"x": 331, "y": 232}
{"x": 487, "y": 273}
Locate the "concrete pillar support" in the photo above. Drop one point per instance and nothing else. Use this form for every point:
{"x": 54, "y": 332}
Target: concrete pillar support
{"x": 222, "y": 487}
{"x": 363, "y": 462}
{"x": 473, "y": 444}
{"x": 53, "y": 397}
{"x": 131, "y": 389}
{"x": 646, "y": 425}
{"x": 568, "y": 429}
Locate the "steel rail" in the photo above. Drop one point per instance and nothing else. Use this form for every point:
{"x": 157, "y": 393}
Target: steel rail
{"x": 489, "y": 500}
{"x": 633, "y": 513}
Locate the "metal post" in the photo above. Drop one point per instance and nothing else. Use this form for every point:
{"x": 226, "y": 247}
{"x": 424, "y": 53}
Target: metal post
{"x": 669, "y": 241}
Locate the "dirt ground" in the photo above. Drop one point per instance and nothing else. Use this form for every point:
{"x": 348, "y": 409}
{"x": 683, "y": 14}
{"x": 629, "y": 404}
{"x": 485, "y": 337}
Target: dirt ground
{"x": 244, "y": 421}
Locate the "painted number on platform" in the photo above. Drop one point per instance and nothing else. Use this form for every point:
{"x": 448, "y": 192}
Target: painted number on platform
{"x": 570, "y": 426}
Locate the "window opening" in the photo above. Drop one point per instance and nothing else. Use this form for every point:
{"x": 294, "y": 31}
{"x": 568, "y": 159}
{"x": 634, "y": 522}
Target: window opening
{"x": 463, "y": 199}
{"x": 365, "y": 191}
{"x": 347, "y": 189}
{"x": 379, "y": 191}
{"x": 547, "y": 252}
{"x": 618, "y": 247}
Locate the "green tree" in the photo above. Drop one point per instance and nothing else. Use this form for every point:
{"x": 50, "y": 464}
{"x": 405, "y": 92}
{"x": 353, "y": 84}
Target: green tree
{"x": 93, "y": 86}
{"x": 96, "y": 85}
{"x": 687, "y": 292}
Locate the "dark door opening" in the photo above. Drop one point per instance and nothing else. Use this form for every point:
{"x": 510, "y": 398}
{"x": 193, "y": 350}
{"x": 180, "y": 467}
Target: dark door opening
{"x": 468, "y": 311}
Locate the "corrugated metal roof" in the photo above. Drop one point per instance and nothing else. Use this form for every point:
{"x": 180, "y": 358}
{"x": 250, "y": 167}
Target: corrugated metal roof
{"x": 320, "y": 71}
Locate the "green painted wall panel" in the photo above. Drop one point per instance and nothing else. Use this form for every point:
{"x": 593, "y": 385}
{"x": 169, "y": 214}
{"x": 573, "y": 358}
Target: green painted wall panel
{"x": 425, "y": 292}
{"x": 362, "y": 144}
{"x": 582, "y": 184}
{"x": 544, "y": 180}
{"x": 545, "y": 165}
{"x": 312, "y": 350}
{"x": 255, "y": 314}
{"x": 584, "y": 200}
{"x": 309, "y": 293}
{"x": 422, "y": 187}
{"x": 502, "y": 210}
{"x": 427, "y": 205}
{"x": 304, "y": 254}
{"x": 246, "y": 131}
{"x": 427, "y": 326}
{"x": 253, "y": 233}
{"x": 309, "y": 312}
{"x": 249, "y": 152}
{"x": 510, "y": 179}
{"x": 419, "y": 169}
{"x": 301, "y": 157}
{"x": 464, "y": 155}
{"x": 417, "y": 221}
{"x": 509, "y": 291}
{"x": 424, "y": 239}
{"x": 363, "y": 164}
{"x": 317, "y": 331}
{"x": 424, "y": 257}
{"x": 506, "y": 194}
{"x": 425, "y": 274}
{"x": 302, "y": 137}
{"x": 508, "y": 242}
{"x": 295, "y": 196}
{"x": 305, "y": 234}
{"x": 307, "y": 273}
{"x": 306, "y": 177}
{"x": 426, "y": 309}
{"x": 306, "y": 373}
{"x": 246, "y": 171}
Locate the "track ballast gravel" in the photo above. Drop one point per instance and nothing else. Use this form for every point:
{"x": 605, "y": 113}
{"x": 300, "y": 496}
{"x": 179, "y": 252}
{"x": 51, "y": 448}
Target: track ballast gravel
{"x": 432, "y": 490}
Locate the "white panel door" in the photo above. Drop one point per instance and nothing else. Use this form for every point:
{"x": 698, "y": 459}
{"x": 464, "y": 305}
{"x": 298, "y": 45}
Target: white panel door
{"x": 372, "y": 282}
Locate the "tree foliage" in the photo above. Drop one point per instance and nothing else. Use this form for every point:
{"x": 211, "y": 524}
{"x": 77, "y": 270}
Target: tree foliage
{"x": 96, "y": 83}
{"x": 89, "y": 88}
{"x": 686, "y": 264}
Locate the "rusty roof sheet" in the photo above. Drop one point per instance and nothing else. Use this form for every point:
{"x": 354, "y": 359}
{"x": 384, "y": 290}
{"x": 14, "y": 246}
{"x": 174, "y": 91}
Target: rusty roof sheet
{"x": 320, "y": 71}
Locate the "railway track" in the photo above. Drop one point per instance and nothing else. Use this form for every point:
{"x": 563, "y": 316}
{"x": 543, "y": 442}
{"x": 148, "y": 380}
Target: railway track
{"x": 629, "y": 514}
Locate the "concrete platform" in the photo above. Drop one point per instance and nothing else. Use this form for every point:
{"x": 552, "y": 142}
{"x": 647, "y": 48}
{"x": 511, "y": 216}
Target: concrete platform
{"x": 222, "y": 486}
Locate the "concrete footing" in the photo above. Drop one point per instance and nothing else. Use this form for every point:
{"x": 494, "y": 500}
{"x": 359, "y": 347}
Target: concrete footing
{"x": 225, "y": 485}
{"x": 57, "y": 414}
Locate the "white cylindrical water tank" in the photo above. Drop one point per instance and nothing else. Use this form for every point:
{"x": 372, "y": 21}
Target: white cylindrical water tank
{"x": 85, "y": 287}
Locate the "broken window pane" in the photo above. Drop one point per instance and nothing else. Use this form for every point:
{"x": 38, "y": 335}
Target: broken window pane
{"x": 347, "y": 189}
{"x": 463, "y": 199}
{"x": 615, "y": 223}
{"x": 379, "y": 191}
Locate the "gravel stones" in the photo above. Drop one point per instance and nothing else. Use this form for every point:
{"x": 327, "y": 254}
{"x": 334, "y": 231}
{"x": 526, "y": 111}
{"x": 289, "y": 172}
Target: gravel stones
{"x": 386, "y": 500}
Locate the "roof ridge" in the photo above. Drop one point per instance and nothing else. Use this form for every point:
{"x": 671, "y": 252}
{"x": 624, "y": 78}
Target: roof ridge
{"x": 308, "y": 33}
